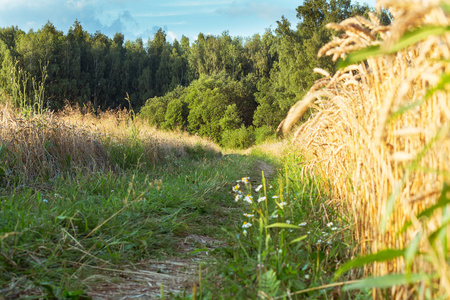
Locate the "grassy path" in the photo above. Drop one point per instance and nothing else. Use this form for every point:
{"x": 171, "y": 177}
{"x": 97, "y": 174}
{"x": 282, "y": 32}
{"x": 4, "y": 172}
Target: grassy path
{"x": 180, "y": 271}
{"x": 175, "y": 230}
{"x": 118, "y": 234}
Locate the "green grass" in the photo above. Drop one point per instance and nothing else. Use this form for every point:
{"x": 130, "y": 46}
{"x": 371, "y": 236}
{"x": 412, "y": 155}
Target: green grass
{"x": 56, "y": 233}
{"x": 297, "y": 251}
{"x": 50, "y": 234}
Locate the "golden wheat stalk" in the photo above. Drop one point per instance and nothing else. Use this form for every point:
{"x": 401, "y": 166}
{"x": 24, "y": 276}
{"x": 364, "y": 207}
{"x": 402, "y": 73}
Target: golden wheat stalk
{"x": 351, "y": 138}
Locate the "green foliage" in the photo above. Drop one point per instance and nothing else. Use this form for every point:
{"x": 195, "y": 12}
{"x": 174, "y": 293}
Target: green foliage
{"x": 240, "y": 138}
{"x": 26, "y": 92}
{"x": 288, "y": 241}
{"x": 264, "y": 133}
{"x": 209, "y": 106}
{"x": 54, "y": 241}
{"x": 176, "y": 114}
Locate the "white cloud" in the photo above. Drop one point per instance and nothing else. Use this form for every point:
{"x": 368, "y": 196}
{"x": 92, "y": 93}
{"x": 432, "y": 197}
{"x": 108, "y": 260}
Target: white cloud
{"x": 172, "y": 35}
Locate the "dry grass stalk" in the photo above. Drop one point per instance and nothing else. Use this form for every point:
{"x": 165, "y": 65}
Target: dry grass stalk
{"x": 352, "y": 141}
{"x": 43, "y": 146}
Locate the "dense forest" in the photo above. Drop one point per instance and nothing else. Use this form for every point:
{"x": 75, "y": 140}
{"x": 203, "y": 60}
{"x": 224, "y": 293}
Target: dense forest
{"x": 234, "y": 90}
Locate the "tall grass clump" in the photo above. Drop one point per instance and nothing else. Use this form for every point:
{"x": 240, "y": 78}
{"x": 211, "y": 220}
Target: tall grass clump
{"x": 379, "y": 131}
{"x": 38, "y": 147}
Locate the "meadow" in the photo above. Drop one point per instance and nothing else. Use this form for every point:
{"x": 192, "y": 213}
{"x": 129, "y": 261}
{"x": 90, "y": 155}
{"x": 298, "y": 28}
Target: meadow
{"x": 352, "y": 202}
{"x": 96, "y": 205}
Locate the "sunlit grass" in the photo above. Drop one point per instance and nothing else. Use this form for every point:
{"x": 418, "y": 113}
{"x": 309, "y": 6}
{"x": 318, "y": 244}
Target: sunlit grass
{"x": 288, "y": 238}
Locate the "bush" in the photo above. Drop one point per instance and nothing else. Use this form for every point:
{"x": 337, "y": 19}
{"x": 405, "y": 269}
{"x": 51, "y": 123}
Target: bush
{"x": 264, "y": 133}
{"x": 239, "y": 138}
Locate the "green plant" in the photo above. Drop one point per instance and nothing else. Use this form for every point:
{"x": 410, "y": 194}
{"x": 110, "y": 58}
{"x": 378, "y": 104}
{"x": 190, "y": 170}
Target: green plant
{"x": 26, "y": 95}
{"x": 238, "y": 138}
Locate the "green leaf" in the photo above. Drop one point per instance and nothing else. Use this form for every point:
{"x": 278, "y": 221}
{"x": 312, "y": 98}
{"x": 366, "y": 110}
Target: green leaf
{"x": 383, "y": 255}
{"x": 442, "y": 202}
{"x": 2, "y": 150}
{"x": 386, "y": 281}
{"x": 445, "y": 7}
{"x": 411, "y": 251}
{"x": 282, "y": 225}
{"x": 199, "y": 250}
{"x": 440, "y": 232}
{"x": 391, "y": 203}
{"x": 408, "y": 39}
{"x": 358, "y": 56}
{"x": 417, "y": 35}
{"x": 299, "y": 239}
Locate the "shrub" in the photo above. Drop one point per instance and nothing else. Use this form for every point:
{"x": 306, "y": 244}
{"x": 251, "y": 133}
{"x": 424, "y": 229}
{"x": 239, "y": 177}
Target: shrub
{"x": 264, "y": 133}
{"x": 239, "y": 138}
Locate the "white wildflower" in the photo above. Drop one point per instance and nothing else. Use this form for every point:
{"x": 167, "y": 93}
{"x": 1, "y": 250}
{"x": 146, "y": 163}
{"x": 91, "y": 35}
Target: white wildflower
{"x": 258, "y": 188}
{"x": 261, "y": 199}
{"x": 247, "y": 225}
{"x": 302, "y": 224}
{"x": 248, "y": 199}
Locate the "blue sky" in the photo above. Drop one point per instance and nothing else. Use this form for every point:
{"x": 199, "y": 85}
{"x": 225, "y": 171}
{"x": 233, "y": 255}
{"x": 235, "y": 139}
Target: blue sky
{"x": 142, "y": 18}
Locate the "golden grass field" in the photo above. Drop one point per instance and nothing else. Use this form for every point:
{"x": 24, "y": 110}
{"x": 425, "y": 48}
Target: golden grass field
{"x": 370, "y": 153}
{"x": 43, "y": 146}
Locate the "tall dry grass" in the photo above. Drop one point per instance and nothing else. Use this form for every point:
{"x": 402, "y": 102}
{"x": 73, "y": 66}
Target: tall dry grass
{"x": 40, "y": 147}
{"x": 368, "y": 152}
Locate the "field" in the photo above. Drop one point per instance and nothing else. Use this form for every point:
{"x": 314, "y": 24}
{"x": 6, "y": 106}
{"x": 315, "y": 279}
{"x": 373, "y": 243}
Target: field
{"x": 351, "y": 204}
{"x": 95, "y": 206}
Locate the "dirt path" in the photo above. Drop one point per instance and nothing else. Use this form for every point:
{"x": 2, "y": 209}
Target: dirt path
{"x": 269, "y": 170}
{"x": 143, "y": 280}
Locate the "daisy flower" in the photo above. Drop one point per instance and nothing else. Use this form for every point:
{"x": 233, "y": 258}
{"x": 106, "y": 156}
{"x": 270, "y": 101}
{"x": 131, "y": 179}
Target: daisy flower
{"x": 261, "y": 199}
{"x": 246, "y": 225}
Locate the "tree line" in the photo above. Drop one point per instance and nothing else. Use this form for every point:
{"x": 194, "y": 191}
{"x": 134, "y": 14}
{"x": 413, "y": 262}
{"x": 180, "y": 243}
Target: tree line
{"x": 231, "y": 89}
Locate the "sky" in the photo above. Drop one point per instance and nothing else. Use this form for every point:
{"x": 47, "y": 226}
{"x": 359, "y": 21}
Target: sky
{"x": 143, "y": 18}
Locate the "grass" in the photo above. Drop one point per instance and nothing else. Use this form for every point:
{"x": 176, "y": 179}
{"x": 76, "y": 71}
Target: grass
{"x": 156, "y": 213}
{"x": 289, "y": 241}
{"x": 52, "y": 237}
